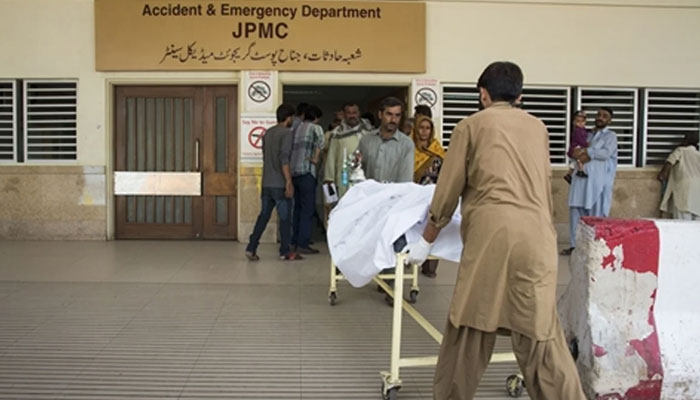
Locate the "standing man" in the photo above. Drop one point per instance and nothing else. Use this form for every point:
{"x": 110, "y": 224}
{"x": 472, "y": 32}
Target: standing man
{"x": 591, "y": 193}
{"x": 498, "y": 163}
{"x": 277, "y": 186}
{"x": 387, "y": 153}
{"x": 306, "y": 151}
{"x": 680, "y": 176}
{"x": 343, "y": 142}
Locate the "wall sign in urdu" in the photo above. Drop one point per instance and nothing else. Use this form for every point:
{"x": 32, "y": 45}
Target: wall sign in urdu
{"x": 284, "y": 35}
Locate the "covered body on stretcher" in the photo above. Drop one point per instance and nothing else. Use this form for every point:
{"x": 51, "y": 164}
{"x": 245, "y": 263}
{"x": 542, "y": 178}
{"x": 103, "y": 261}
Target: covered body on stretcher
{"x": 372, "y": 216}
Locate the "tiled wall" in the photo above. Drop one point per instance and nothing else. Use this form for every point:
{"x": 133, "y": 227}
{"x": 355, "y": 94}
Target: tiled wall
{"x": 52, "y": 203}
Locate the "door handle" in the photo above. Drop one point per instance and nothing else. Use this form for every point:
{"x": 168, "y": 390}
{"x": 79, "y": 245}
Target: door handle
{"x": 196, "y": 155}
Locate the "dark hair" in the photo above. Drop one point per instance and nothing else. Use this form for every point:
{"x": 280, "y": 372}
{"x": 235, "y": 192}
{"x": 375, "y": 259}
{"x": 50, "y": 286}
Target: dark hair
{"x": 312, "y": 112}
{"x": 608, "y": 109}
{"x": 503, "y": 80}
{"x": 691, "y": 139}
{"x": 577, "y": 112}
{"x": 284, "y": 111}
{"x": 350, "y": 104}
{"x": 370, "y": 117}
{"x": 301, "y": 107}
{"x": 390, "y": 101}
{"x": 422, "y": 109}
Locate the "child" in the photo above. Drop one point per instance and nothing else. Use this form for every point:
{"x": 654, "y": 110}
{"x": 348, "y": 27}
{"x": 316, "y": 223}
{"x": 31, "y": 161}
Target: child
{"x": 579, "y": 139}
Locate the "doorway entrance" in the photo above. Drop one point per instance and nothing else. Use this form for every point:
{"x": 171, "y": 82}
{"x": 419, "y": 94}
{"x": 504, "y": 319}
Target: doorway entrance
{"x": 330, "y": 98}
{"x": 178, "y": 129}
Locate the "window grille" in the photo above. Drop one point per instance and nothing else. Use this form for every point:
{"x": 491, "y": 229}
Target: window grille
{"x": 458, "y": 102}
{"x": 550, "y": 104}
{"x": 50, "y": 115}
{"x": 623, "y": 102}
{"x": 668, "y": 116}
{"x": 8, "y": 122}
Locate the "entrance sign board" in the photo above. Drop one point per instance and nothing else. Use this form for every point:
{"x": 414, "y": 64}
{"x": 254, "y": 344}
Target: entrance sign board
{"x": 166, "y": 35}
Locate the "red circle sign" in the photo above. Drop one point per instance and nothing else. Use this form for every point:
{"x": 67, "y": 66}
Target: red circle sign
{"x": 255, "y": 136}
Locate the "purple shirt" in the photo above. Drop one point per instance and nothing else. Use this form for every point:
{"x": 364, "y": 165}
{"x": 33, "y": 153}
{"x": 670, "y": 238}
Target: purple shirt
{"x": 579, "y": 138}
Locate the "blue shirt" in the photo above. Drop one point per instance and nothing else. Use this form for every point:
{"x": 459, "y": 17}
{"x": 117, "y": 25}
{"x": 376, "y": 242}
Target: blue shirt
{"x": 585, "y": 192}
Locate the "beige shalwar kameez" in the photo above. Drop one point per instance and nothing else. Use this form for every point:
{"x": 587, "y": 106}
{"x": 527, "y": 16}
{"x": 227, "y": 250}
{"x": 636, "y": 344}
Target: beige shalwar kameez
{"x": 498, "y": 162}
{"x": 682, "y": 195}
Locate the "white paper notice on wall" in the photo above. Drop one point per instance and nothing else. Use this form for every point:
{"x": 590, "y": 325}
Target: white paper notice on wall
{"x": 260, "y": 87}
{"x": 427, "y": 92}
{"x": 253, "y": 128}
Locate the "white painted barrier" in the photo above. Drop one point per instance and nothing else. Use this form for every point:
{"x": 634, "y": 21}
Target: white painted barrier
{"x": 633, "y": 308}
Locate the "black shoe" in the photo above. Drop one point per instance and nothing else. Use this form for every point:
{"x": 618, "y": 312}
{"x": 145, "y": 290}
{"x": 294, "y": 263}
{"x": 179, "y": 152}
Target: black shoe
{"x": 251, "y": 256}
{"x": 582, "y": 174}
{"x": 567, "y": 252}
{"x": 307, "y": 250}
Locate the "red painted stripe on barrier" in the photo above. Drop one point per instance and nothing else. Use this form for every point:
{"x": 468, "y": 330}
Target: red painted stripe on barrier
{"x": 640, "y": 246}
{"x": 639, "y": 238}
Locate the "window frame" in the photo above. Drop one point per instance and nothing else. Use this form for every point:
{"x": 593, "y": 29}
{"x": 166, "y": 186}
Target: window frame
{"x": 25, "y": 124}
{"x": 14, "y": 128}
{"x": 645, "y": 119}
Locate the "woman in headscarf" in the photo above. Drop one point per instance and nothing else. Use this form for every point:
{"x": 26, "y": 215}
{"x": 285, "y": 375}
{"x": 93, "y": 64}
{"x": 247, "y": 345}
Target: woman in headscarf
{"x": 428, "y": 159}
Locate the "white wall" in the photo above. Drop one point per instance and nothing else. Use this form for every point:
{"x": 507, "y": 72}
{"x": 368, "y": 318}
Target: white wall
{"x": 622, "y": 43}
{"x": 568, "y": 44}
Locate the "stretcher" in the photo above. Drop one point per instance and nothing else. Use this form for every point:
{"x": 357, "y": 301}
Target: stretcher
{"x": 391, "y": 380}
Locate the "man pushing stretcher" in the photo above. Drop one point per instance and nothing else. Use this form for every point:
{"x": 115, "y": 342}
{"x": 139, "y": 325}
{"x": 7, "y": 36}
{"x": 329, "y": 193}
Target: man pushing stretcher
{"x": 498, "y": 163}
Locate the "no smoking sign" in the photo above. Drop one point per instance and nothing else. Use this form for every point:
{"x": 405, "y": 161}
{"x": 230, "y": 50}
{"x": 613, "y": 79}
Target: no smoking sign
{"x": 255, "y": 136}
{"x": 253, "y": 129}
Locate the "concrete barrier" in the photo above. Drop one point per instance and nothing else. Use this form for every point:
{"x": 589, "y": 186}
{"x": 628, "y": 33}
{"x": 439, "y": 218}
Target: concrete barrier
{"x": 632, "y": 309}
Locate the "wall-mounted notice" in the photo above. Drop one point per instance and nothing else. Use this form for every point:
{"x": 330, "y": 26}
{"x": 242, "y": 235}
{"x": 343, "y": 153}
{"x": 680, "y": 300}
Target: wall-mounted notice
{"x": 427, "y": 92}
{"x": 260, "y": 87}
{"x": 253, "y": 128}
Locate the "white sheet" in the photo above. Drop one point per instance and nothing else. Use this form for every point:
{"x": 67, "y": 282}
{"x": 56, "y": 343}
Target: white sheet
{"x": 371, "y": 216}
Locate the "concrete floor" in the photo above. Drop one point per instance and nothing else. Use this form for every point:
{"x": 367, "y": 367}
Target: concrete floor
{"x": 194, "y": 320}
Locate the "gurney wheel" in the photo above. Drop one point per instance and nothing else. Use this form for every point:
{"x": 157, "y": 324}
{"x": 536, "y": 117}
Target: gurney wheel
{"x": 332, "y": 298}
{"x": 515, "y": 384}
{"x": 391, "y": 394}
{"x": 413, "y": 296}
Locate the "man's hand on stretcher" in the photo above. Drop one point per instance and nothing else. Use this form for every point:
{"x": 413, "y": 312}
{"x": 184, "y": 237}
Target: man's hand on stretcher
{"x": 419, "y": 251}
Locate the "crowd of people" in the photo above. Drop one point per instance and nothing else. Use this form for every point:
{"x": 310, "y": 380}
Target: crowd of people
{"x": 299, "y": 157}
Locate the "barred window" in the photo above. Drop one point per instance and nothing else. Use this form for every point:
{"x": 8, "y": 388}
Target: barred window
{"x": 458, "y": 102}
{"x": 623, "y": 102}
{"x": 50, "y": 120}
{"x": 8, "y": 122}
{"x": 550, "y": 104}
{"x": 668, "y": 116}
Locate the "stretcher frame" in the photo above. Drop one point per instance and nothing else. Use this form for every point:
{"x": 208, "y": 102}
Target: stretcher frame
{"x": 391, "y": 380}
{"x": 412, "y": 276}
